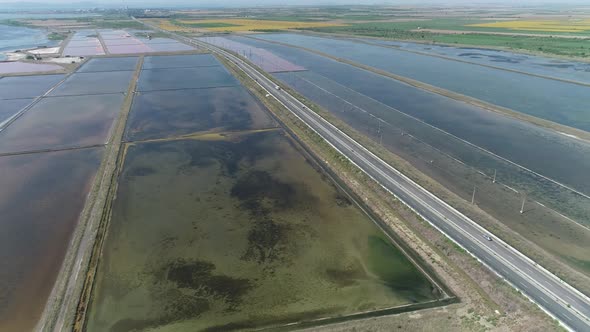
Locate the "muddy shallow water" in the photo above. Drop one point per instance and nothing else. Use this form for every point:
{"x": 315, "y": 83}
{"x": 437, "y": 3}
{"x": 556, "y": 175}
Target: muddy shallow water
{"x": 62, "y": 122}
{"x": 239, "y": 231}
{"x": 160, "y": 114}
{"x": 36, "y": 226}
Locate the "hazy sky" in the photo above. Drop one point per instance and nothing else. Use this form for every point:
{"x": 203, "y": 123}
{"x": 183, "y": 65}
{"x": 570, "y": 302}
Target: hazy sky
{"x": 249, "y": 3}
{"x": 283, "y": 2}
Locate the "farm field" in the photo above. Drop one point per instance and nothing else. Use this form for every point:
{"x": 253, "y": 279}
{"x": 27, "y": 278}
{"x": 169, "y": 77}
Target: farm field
{"x": 536, "y": 44}
{"x": 569, "y": 26}
{"x": 575, "y": 26}
{"x": 498, "y": 28}
{"x": 236, "y": 25}
{"x": 256, "y": 235}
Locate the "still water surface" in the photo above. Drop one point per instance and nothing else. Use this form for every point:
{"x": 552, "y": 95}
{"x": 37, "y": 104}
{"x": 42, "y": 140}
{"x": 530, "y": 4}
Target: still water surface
{"x": 561, "y": 102}
{"x": 36, "y": 226}
{"x": 15, "y": 38}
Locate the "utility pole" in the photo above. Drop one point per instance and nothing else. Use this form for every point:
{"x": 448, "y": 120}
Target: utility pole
{"x": 473, "y": 196}
{"x": 494, "y": 180}
{"x": 523, "y": 201}
{"x": 379, "y": 133}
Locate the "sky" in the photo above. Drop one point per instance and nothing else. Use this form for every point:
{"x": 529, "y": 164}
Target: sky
{"x": 250, "y": 3}
{"x": 283, "y": 2}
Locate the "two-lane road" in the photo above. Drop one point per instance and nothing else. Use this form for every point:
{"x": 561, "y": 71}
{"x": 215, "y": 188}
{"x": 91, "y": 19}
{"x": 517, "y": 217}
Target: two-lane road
{"x": 557, "y": 298}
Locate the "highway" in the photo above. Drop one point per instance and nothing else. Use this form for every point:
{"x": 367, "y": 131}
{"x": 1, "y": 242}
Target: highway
{"x": 560, "y": 300}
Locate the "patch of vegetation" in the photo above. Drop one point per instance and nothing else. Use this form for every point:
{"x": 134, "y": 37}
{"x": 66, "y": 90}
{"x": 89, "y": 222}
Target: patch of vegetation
{"x": 583, "y": 264}
{"x": 15, "y": 23}
{"x": 198, "y": 276}
{"x": 292, "y": 18}
{"x": 455, "y": 246}
{"x": 557, "y": 46}
{"x": 118, "y": 24}
{"x": 56, "y": 36}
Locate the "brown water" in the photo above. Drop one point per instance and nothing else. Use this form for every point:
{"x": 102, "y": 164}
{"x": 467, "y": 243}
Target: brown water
{"x": 41, "y": 197}
{"x": 62, "y": 122}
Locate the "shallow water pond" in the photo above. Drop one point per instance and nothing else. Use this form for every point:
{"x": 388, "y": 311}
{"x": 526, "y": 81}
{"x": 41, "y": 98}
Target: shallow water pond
{"x": 16, "y": 87}
{"x": 62, "y": 122}
{"x": 179, "y": 61}
{"x": 239, "y": 231}
{"x": 36, "y": 226}
{"x": 185, "y": 78}
{"x": 109, "y": 64}
{"x": 94, "y": 83}
{"x": 159, "y": 114}
{"x": 12, "y": 106}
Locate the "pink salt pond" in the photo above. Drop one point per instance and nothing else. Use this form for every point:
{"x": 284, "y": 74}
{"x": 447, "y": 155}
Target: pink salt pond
{"x": 26, "y": 67}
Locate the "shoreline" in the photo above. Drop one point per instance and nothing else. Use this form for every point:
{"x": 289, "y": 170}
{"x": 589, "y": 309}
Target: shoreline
{"x": 7, "y": 51}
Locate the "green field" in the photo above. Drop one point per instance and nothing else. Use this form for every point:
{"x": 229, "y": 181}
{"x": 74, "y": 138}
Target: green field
{"x": 457, "y": 24}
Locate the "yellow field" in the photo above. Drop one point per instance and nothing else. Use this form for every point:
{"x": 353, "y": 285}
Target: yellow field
{"x": 540, "y": 25}
{"x": 240, "y": 25}
{"x": 167, "y": 25}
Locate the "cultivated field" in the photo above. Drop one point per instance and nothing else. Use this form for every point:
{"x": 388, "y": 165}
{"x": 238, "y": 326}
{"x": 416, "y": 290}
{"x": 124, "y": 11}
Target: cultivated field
{"x": 236, "y": 25}
{"x": 580, "y": 25}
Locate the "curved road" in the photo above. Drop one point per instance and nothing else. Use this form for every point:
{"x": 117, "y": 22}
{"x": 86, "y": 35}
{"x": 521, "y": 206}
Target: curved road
{"x": 560, "y": 300}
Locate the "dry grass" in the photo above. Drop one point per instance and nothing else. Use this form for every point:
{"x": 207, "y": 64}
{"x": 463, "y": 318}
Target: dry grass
{"x": 578, "y": 25}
